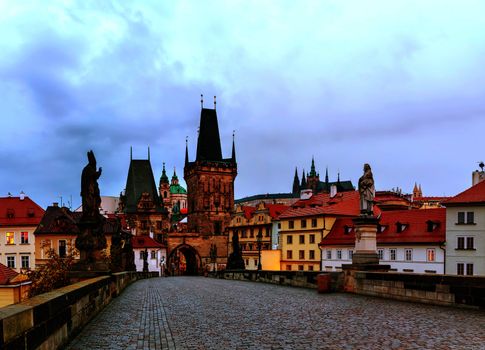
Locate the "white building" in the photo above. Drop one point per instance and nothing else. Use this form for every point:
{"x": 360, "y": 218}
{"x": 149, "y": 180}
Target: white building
{"x": 19, "y": 217}
{"x": 407, "y": 240}
{"x": 157, "y": 253}
{"x": 465, "y": 231}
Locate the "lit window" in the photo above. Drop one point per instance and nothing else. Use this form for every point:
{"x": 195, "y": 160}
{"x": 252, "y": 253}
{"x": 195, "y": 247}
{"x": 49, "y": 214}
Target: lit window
{"x": 24, "y": 237}
{"x": 11, "y": 261}
{"x": 9, "y": 238}
{"x": 431, "y": 254}
{"x": 25, "y": 262}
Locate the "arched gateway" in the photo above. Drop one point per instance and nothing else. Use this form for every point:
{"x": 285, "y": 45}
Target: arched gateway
{"x": 184, "y": 260}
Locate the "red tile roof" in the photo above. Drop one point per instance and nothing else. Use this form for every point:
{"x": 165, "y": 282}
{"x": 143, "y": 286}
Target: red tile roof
{"x": 344, "y": 203}
{"x": 473, "y": 195}
{"x": 276, "y": 210}
{"x": 6, "y": 274}
{"x": 17, "y": 212}
{"x": 416, "y": 221}
{"x": 142, "y": 242}
{"x": 248, "y": 211}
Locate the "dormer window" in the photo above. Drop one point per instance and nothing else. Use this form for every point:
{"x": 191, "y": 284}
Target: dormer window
{"x": 10, "y": 213}
{"x": 347, "y": 229}
{"x": 30, "y": 212}
{"x": 400, "y": 227}
{"x": 431, "y": 225}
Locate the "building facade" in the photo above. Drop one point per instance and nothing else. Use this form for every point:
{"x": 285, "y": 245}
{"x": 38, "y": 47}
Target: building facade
{"x": 254, "y": 226}
{"x": 19, "y": 218}
{"x": 156, "y": 254}
{"x": 407, "y": 240}
{"x": 465, "y": 232}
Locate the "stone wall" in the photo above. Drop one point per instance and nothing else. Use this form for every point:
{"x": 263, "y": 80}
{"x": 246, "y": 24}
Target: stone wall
{"x": 423, "y": 288}
{"x": 50, "y": 320}
{"x": 305, "y": 279}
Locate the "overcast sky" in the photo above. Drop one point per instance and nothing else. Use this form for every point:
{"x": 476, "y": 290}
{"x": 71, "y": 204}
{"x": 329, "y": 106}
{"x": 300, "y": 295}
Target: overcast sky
{"x": 397, "y": 84}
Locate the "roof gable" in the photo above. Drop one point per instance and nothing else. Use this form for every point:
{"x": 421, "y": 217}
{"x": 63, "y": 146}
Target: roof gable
{"x": 18, "y": 212}
{"x": 6, "y": 274}
{"x": 473, "y": 195}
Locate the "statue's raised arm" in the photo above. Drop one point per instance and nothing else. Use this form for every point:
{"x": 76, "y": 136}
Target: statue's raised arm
{"x": 366, "y": 191}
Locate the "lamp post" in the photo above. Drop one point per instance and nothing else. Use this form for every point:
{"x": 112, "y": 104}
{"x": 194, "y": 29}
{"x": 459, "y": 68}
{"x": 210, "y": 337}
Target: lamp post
{"x": 259, "y": 238}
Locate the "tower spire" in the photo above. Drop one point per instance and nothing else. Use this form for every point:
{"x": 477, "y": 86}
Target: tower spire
{"x": 313, "y": 173}
{"x": 201, "y": 101}
{"x": 326, "y": 176}
{"x": 186, "y": 150}
{"x": 215, "y": 102}
{"x": 131, "y": 153}
{"x": 148, "y": 152}
{"x": 296, "y": 183}
{"x": 233, "y": 147}
{"x": 303, "y": 180}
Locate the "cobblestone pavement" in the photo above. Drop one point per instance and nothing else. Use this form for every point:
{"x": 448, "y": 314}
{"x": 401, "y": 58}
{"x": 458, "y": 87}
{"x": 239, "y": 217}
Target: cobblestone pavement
{"x": 205, "y": 313}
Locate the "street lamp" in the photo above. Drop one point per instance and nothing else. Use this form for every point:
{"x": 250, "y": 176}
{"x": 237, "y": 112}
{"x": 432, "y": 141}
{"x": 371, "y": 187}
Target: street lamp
{"x": 259, "y": 238}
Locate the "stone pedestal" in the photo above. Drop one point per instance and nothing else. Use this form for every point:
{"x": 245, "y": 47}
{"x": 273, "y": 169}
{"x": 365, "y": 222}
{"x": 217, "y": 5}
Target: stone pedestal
{"x": 365, "y": 241}
{"x": 91, "y": 243}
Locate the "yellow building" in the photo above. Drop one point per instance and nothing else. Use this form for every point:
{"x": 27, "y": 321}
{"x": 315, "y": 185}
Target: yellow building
{"x": 307, "y": 222}
{"x": 249, "y": 222}
{"x": 19, "y": 217}
{"x": 14, "y": 287}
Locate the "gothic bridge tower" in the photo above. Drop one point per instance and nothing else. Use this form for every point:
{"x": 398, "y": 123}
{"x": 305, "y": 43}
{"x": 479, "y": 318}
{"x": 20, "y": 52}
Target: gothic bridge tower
{"x": 210, "y": 180}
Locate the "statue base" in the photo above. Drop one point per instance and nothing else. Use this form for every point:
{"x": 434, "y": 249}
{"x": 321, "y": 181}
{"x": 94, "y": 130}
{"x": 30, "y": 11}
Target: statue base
{"x": 365, "y": 240}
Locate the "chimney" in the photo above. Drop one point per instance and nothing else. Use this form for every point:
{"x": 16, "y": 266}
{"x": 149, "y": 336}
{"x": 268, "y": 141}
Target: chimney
{"x": 333, "y": 191}
{"x": 22, "y": 195}
{"x": 477, "y": 176}
{"x": 55, "y": 204}
{"x": 306, "y": 193}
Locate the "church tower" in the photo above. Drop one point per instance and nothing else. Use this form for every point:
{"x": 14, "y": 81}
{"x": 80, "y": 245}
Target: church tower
{"x": 164, "y": 188}
{"x": 210, "y": 180}
{"x": 313, "y": 178}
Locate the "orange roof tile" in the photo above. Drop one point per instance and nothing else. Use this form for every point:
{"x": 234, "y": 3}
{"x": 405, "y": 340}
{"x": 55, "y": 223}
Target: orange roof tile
{"x": 473, "y": 195}
{"x": 17, "y": 212}
{"x": 416, "y": 221}
{"x": 142, "y": 242}
{"x": 6, "y": 274}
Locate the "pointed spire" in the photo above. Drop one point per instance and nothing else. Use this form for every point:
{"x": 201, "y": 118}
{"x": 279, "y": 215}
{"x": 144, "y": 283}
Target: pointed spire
{"x": 201, "y": 101}
{"x": 326, "y": 176}
{"x": 186, "y": 150}
{"x": 313, "y": 173}
{"x": 296, "y": 183}
{"x": 148, "y": 152}
{"x": 215, "y": 102}
{"x": 303, "y": 180}
{"x": 164, "y": 177}
{"x": 338, "y": 176}
{"x": 233, "y": 147}
{"x": 131, "y": 153}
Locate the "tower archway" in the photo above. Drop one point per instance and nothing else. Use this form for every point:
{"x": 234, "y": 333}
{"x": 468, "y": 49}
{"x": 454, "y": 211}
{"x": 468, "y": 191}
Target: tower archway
{"x": 184, "y": 260}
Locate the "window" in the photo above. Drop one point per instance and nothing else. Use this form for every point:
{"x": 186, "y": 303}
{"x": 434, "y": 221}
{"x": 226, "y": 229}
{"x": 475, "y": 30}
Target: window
{"x": 247, "y": 262}
{"x": 141, "y": 254}
{"x": 289, "y": 239}
{"x": 291, "y": 224}
{"x": 279, "y": 225}
{"x": 429, "y": 226}
{"x": 351, "y": 254}
{"x": 329, "y": 254}
{"x": 9, "y": 238}
{"x": 392, "y": 254}
{"x": 244, "y": 233}
{"x": 24, "y": 238}
{"x": 430, "y": 254}
{"x": 469, "y": 269}
{"x": 300, "y": 267}
{"x": 339, "y": 254}
{"x": 255, "y": 262}
{"x": 303, "y": 223}
{"x": 461, "y": 217}
{"x": 251, "y": 233}
{"x": 310, "y": 268}
{"x": 25, "y": 261}
{"x": 311, "y": 254}
{"x": 465, "y": 243}
{"x": 408, "y": 254}
{"x": 11, "y": 261}
{"x": 460, "y": 269}
{"x": 314, "y": 222}
{"x": 289, "y": 254}
{"x": 267, "y": 232}
{"x": 302, "y": 239}
{"x": 380, "y": 254}
{"x": 153, "y": 254}
{"x": 301, "y": 254}
{"x": 288, "y": 267}
{"x": 470, "y": 217}
{"x": 312, "y": 238}
{"x": 62, "y": 248}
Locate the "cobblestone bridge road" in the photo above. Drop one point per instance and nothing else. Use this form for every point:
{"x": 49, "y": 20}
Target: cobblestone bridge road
{"x": 205, "y": 313}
